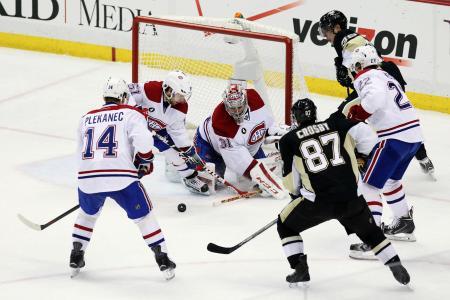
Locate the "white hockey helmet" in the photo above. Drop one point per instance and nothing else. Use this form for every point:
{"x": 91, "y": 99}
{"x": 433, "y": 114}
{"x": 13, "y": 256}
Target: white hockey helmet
{"x": 235, "y": 101}
{"x": 180, "y": 84}
{"x": 116, "y": 88}
{"x": 364, "y": 56}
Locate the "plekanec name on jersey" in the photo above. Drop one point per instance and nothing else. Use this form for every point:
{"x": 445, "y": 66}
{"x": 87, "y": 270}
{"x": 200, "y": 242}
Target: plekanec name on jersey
{"x": 107, "y": 117}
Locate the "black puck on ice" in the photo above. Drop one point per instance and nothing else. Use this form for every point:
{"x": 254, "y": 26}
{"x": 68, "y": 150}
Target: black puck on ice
{"x": 181, "y": 207}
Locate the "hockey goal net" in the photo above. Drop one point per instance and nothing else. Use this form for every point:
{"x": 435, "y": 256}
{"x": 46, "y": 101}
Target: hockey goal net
{"x": 211, "y": 51}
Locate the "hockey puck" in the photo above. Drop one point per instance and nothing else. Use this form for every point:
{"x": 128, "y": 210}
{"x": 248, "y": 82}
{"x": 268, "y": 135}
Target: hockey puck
{"x": 181, "y": 207}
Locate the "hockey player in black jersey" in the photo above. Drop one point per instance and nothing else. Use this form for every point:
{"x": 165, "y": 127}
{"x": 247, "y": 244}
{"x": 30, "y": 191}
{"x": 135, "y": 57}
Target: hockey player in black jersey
{"x": 321, "y": 174}
{"x": 333, "y": 26}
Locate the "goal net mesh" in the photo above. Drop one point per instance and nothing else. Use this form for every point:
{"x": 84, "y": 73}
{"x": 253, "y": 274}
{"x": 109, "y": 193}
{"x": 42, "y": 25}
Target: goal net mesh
{"x": 212, "y": 58}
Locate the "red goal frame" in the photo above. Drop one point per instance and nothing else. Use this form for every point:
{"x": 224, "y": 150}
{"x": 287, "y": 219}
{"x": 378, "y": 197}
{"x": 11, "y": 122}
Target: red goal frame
{"x": 289, "y": 50}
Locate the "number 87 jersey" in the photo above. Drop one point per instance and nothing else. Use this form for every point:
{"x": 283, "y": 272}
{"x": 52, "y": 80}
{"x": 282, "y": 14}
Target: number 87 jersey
{"x": 108, "y": 140}
{"x": 319, "y": 159}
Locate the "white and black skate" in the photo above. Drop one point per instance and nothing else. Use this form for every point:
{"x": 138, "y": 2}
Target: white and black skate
{"x": 401, "y": 229}
{"x": 165, "y": 264}
{"x": 361, "y": 251}
{"x": 195, "y": 185}
{"x": 397, "y": 269}
{"x": 427, "y": 167}
{"x": 300, "y": 275}
{"x": 76, "y": 259}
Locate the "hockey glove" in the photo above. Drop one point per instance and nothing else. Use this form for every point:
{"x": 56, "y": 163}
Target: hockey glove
{"x": 144, "y": 163}
{"x": 342, "y": 73}
{"x": 361, "y": 160}
{"x": 357, "y": 113}
{"x": 193, "y": 160}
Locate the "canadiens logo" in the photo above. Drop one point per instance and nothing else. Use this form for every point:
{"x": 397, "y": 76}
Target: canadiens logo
{"x": 155, "y": 124}
{"x": 257, "y": 133}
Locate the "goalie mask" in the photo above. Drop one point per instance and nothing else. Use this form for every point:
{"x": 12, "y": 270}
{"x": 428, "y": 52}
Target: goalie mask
{"x": 235, "y": 101}
{"x": 177, "y": 87}
{"x": 304, "y": 112}
{"x": 116, "y": 89}
{"x": 363, "y": 57}
{"x": 329, "y": 20}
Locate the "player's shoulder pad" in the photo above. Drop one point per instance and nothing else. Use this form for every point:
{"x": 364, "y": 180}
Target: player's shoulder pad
{"x": 134, "y": 108}
{"x": 182, "y": 107}
{"x": 342, "y": 124}
{"x": 287, "y": 139}
{"x": 153, "y": 90}
{"x": 255, "y": 101}
{"x": 222, "y": 123}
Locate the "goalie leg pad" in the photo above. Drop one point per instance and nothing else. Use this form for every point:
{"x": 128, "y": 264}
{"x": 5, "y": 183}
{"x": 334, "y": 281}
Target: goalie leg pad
{"x": 267, "y": 181}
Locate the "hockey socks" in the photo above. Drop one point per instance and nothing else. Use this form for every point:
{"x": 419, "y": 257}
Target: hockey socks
{"x": 395, "y": 198}
{"x": 83, "y": 228}
{"x": 151, "y": 232}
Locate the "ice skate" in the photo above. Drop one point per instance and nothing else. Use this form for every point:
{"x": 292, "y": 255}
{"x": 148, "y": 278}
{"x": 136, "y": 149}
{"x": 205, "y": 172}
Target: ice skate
{"x": 401, "y": 229}
{"x": 427, "y": 167}
{"x": 397, "y": 269}
{"x": 301, "y": 273}
{"x": 195, "y": 185}
{"x": 76, "y": 259}
{"x": 361, "y": 251}
{"x": 165, "y": 264}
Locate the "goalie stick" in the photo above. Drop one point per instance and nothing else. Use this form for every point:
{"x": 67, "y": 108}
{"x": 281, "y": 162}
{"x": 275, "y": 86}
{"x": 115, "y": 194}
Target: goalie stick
{"x": 219, "y": 178}
{"x": 237, "y": 197}
{"x": 227, "y": 250}
{"x": 43, "y": 226}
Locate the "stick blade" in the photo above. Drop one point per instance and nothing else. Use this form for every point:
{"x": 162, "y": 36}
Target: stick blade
{"x": 29, "y": 223}
{"x": 219, "y": 249}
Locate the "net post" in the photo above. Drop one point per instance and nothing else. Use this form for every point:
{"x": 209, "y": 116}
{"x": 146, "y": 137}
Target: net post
{"x": 289, "y": 86}
{"x": 135, "y": 51}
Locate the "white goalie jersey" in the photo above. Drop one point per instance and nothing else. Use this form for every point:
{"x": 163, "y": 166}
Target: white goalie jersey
{"x": 238, "y": 143}
{"x": 108, "y": 140}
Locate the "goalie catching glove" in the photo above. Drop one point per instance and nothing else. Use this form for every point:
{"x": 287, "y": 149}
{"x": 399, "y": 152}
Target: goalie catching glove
{"x": 192, "y": 159}
{"x": 275, "y": 132}
{"x": 267, "y": 181}
{"x": 143, "y": 163}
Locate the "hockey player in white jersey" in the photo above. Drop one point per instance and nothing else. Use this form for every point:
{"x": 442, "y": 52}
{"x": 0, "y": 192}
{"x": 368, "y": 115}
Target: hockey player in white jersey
{"x": 114, "y": 152}
{"x": 166, "y": 105}
{"x": 387, "y": 109}
{"x": 232, "y": 137}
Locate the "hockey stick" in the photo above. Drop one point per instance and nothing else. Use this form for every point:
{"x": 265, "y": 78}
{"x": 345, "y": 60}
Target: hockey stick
{"x": 219, "y": 178}
{"x": 43, "y": 226}
{"x": 227, "y": 250}
{"x": 237, "y": 197}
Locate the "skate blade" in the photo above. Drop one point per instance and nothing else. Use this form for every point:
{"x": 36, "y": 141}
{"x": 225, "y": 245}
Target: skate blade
{"x": 169, "y": 274}
{"x": 362, "y": 256}
{"x": 74, "y": 272}
{"x": 402, "y": 237}
{"x": 301, "y": 285}
{"x": 432, "y": 176}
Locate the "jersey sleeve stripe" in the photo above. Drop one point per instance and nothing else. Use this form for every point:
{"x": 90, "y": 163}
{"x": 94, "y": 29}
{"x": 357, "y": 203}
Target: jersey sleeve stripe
{"x": 108, "y": 171}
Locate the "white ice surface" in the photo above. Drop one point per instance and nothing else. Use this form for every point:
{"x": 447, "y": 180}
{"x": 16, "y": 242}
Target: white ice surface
{"x": 41, "y": 98}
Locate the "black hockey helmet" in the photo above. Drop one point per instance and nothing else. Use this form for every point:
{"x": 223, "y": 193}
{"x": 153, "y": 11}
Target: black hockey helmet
{"x": 331, "y": 19}
{"x": 304, "y": 112}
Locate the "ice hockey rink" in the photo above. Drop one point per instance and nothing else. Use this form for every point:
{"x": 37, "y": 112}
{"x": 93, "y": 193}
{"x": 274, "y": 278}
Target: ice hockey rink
{"x": 43, "y": 96}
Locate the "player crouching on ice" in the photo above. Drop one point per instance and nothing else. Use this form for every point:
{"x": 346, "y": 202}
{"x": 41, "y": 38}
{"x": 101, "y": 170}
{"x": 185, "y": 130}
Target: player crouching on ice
{"x": 166, "y": 105}
{"x": 319, "y": 167}
{"x": 114, "y": 152}
{"x": 232, "y": 137}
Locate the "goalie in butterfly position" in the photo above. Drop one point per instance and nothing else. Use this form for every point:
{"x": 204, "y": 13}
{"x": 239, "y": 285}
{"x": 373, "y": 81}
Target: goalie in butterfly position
{"x": 114, "y": 152}
{"x": 319, "y": 168}
{"x": 232, "y": 137}
{"x": 165, "y": 103}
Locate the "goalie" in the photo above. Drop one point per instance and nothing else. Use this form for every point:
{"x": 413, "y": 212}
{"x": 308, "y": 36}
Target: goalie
{"x": 232, "y": 137}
